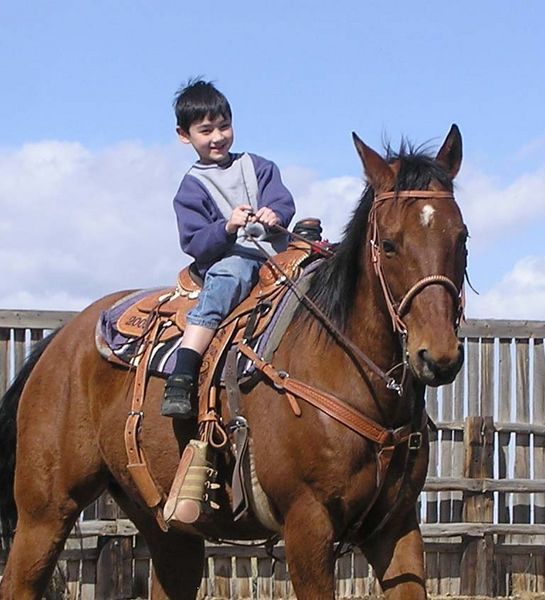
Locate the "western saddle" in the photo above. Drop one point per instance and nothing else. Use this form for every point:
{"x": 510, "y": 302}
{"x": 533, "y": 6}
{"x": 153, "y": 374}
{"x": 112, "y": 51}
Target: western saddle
{"x": 159, "y": 317}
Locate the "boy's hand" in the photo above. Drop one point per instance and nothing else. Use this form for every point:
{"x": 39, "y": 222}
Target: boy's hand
{"x": 267, "y": 217}
{"x": 239, "y": 217}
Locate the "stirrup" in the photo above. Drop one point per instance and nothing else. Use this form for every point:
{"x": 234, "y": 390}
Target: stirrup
{"x": 190, "y": 490}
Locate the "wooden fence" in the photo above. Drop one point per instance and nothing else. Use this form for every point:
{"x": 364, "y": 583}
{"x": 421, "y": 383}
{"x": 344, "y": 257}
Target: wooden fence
{"x": 482, "y": 509}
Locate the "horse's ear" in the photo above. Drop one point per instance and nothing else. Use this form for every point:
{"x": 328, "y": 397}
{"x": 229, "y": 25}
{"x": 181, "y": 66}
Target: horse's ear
{"x": 377, "y": 170}
{"x": 450, "y": 154}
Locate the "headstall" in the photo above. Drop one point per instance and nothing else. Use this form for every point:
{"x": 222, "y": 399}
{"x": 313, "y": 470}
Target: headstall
{"x": 397, "y": 309}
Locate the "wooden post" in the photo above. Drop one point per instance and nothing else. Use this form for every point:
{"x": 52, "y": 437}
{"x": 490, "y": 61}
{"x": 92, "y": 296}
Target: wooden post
{"x": 243, "y": 578}
{"x": 35, "y": 336}
{"x": 223, "y": 574}
{"x": 472, "y": 360}
{"x": 19, "y": 345}
{"x": 114, "y": 569}
{"x": 476, "y": 574}
{"x": 504, "y": 415}
{"x": 432, "y": 498}
{"x": 264, "y": 577}
{"x": 451, "y": 465}
{"x": 538, "y": 404}
{"x": 280, "y": 581}
{"x": 141, "y": 567}
{"x": 486, "y": 400}
{"x": 344, "y": 576}
{"x": 361, "y": 575}
{"x": 205, "y": 590}
{"x": 73, "y": 578}
{"x": 523, "y": 567}
{"x": 88, "y": 570}
{"x": 4, "y": 360}
{"x": 114, "y": 565}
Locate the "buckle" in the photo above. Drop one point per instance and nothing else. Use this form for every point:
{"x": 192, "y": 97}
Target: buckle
{"x": 415, "y": 440}
{"x": 237, "y": 423}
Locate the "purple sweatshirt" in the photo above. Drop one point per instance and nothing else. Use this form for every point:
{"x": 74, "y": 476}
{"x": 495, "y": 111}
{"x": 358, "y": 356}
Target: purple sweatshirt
{"x": 209, "y": 193}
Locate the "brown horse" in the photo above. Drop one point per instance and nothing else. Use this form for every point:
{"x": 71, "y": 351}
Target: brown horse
{"x": 388, "y": 298}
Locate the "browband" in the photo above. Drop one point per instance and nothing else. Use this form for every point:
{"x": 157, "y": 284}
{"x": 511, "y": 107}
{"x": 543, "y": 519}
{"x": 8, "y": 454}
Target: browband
{"x": 414, "y": 194}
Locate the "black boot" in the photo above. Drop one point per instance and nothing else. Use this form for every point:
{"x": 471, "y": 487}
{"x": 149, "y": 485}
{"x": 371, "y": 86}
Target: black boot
{"x": 180, "y": 397}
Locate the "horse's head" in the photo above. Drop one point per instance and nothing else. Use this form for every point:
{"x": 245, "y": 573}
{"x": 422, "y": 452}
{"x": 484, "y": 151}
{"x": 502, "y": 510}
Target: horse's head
{"x": 416, "y": 242}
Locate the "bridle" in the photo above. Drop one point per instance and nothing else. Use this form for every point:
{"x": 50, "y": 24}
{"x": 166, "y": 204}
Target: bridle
{"x": 385, "y": 439}
{"x": 397, "y": 309}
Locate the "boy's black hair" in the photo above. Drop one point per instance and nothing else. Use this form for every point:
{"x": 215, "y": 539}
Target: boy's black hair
{"x": 199, "y": 99}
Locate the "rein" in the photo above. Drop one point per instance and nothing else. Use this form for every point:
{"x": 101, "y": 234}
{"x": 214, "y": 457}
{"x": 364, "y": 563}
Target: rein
{"x": 385, "y": 440}
{"x": 396, "y": 309}
{"x": 348, "y": 345}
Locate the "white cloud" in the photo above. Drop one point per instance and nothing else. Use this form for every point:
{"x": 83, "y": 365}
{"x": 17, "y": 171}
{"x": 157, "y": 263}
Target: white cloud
{"x": 531, "y": 149}
{"x": 332, "y": 200}
{"x": 519, "y": 295}
{"x": 492, "y": 211}
{"x": 77, "y": 224}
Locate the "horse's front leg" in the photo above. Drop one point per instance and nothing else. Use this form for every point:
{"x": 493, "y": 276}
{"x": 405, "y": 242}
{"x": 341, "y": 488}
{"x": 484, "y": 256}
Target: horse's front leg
{"x": 308, "y": 536}
{"x": 397, "y": 555}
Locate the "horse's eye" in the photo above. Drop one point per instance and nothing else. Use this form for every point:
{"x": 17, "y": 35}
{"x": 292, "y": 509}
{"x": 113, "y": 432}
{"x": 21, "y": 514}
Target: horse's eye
{"x": 461, "y": 242}
{"x": 389, "y": 247}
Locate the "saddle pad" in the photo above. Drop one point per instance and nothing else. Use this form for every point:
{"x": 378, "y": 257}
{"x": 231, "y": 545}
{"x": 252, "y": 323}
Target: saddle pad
{"x": 117, "y": 346}
{"x": 112, "y": 344}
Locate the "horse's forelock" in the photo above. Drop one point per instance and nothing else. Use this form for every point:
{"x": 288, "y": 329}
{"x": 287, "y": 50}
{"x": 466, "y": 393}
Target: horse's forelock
{"x": 416, "y": 168}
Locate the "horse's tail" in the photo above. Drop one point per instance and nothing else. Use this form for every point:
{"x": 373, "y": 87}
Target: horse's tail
{"x": 8, "y": 434}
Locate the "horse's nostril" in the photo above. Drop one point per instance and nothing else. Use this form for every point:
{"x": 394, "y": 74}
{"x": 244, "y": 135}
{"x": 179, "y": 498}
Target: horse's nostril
{"x": 423, "y": 354}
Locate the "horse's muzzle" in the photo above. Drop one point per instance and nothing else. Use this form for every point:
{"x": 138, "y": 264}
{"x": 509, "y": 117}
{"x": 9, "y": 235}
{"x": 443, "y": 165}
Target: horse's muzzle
{"x": 436, "y": 371}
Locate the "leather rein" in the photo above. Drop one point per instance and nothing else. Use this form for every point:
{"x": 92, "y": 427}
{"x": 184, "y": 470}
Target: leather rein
{"x": 386, "y": 439}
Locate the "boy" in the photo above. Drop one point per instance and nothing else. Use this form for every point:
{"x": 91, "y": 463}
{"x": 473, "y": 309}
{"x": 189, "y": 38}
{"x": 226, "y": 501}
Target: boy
{"x": 222, "y": 194}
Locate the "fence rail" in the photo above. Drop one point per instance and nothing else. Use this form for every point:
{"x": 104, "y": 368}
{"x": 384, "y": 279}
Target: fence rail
{"x": 482, "y": 509}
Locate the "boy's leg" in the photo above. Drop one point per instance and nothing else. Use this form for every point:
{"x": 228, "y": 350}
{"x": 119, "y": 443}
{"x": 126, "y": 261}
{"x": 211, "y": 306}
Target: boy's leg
{"x": 226, "y": 284}
{"x": 181, "y": 388}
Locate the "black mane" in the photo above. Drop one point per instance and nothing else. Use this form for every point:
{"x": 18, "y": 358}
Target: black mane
{"x": 335, "y": 281}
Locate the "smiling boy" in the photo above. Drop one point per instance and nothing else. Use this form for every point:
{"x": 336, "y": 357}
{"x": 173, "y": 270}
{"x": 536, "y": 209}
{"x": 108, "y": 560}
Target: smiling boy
{"x": 220, "y": 195}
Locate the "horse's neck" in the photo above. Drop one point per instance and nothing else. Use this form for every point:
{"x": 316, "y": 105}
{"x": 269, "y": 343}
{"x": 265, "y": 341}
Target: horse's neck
{"x": 370, "y": 325}
{"x": 370, "y": 329}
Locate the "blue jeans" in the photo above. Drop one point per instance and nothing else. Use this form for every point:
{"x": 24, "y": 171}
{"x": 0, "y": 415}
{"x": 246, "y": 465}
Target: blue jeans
{"x": 226, "y": 284}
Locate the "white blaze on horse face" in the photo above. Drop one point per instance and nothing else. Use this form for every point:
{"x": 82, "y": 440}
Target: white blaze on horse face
{"x": 426, "y": 216}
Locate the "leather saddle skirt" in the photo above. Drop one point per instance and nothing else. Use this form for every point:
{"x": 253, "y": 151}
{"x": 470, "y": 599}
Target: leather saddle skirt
{"x": 122, "y": 328}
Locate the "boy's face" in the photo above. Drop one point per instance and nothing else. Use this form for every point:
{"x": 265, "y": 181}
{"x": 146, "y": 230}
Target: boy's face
{"x": 211, "y": 138}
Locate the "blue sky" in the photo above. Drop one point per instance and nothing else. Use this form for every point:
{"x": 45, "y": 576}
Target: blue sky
{"x": 87, "y": 131}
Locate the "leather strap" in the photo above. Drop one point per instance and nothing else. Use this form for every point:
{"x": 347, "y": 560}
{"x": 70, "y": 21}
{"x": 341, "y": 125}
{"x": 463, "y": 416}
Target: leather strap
{"x": 231, "y": 382}
{"x": 239, "y": 501}
{"x": 330, "y": 405}
{"x": 386, "y": 439}
{"x": 210, "y": 363}
{"x": 414, "y": 194}
{"x": 208, "y": 417}
{"x": 398, "y": 309}
{"x": 137, "y": 465}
